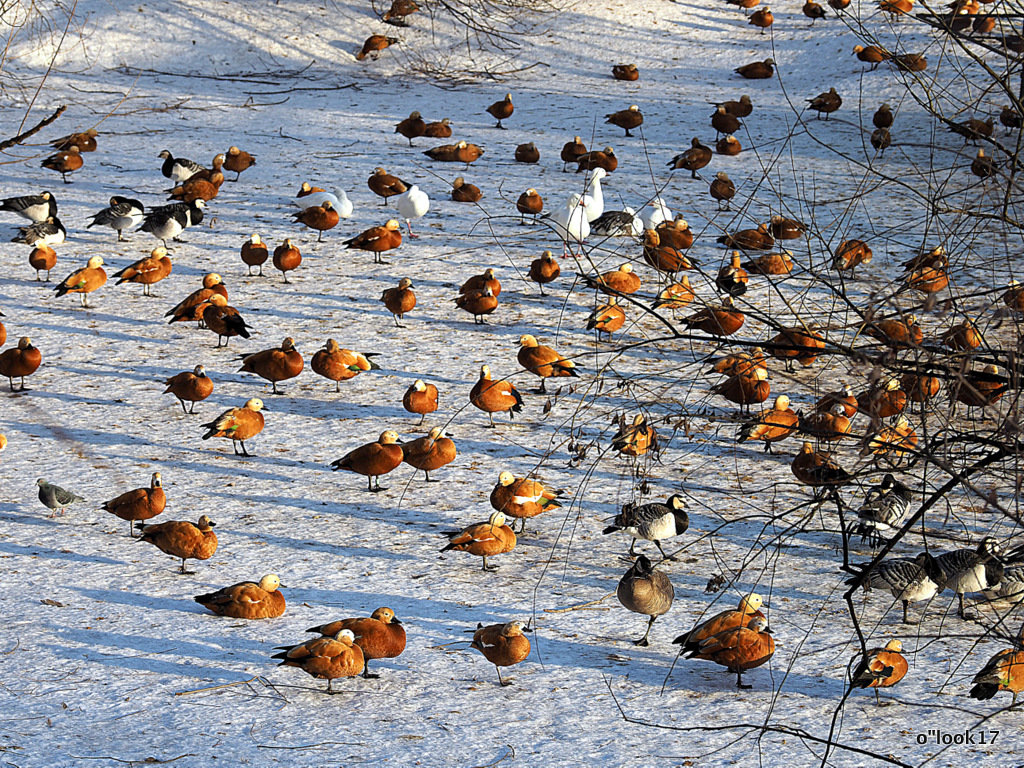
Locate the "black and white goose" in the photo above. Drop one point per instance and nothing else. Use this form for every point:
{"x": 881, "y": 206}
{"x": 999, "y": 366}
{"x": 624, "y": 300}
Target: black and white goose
{"x": 883, "y": 509}
{"x": 972, "y": 570}
{"x": 47, "y": 232}
{"x": 32, "y": 207}
{"x": 168, "y": 221}
{"x": 654, "y": 522}
{"x": 178, "y": 169}
{"x": 624, "y": 223}
{"x": 1011, "y": 587}
{"x": 122, "y": 213}
{"x": 908, "y": 580}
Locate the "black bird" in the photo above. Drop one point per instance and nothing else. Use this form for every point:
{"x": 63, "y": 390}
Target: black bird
{"x": 48, "y": 232}
{"x": 121, "y": 214}
{"x": 909, "y": 581}
{"x": 883, "y": 509}
{"x": 32, "y": 207}
{"x": 178, "y": 169}
{"x": 971, "y": 570}
{"x": 654, "y": 521}
{"x": 168, "y": 221}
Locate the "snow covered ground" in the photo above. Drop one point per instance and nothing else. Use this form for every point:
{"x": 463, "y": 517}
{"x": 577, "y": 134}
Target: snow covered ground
{"x": 106, "y": 658}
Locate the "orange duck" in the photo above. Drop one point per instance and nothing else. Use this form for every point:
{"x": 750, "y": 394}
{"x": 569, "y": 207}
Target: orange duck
{"x": 527, "y": 153}
{"x": 180, "y": 538}
{"x": 783, "y": 228}
{"x": 676, "y": 296}
{"x": 530, "y": 203}
{"x": 399, "y": 300}
{"x": 461, "y": 152}
{"x": 338, "y": 364}
{"x": 828, "y": 424}
{"x": 740, "y": 363}
{"x": 373, "y": 459}
{"x": 572, "y": 151}
{"x": 817, "y": 469}
{"x": 378, "y": 240}
{"x": 84, "y": 140}
{"x": 770, "y": 264}
{"x": 759, "y": 239}
{"x": 598, "y": 158}
{"x": 247, "y": 599}
{"x": 729, "y": 146}
{"x": 152, "y": 269}
{"x": 287, "y": 256}
{"x": 544, "y": 269}
{"x": 929, "y": 278}
{"x": 757, "y": 70}
{"x": 693, "y": 159}
{"x": 85, "y": 280}
{"x": 139, "y": 504}
{"x": 891, "y": 442}
{"x": 723, "y": 320}
{"x": 326, "y": 658}
{"x": 237, "y": 424}
{"x": 440, "y": 129}
{"x": 224, "y": 320}
{"x": 504, "y": 645}
{"x": 42, "y": 257}
{"x": 622, "y": 279}
{"x": 543, "y": 361}
{"x": 675, "y": 233}
{"x": 19, "y": 362}
{"x": 431, "y": 452}
{"x": 880, "y": 668}
{"x": 979, "y": 388}
{"x": 193, "y": 386}
{"x": 748, "y": 609}
{"x": 801, "y": 343}
{"x": 192, "y": 306}
{"x": 1013, "y": 297}
{"x": 493, "y": 397}
{"x": 319, "y": 217}
{"x": 895, "y": 331}
{"x": 501, "y": 110}
{"x": 420, "y": 398}
{"x": 626, "y": 119}
{"x": 478, "y": 303}
{"x": 483, "y": 539}
{"x": 201, "y": 186}
{"x": 375, "y": 44}
{"x": 870, "y": 54}
{"x": 411, "y": 127}
{"x": 238, "y": 160}
{"x": 1003, "y": 672}
{"x": 635, "y": 439}
{"x": 884, "y": 401}
{"x": 663, "y": 257}
{"x": 732, "y": 278}
{"x": 607, "y": 318}
{"x": 464, "y": 192}
{"x": 486, "y": 279}
{"x": 964, "y": 336}
{"x": 745, "y": 390}
{"x": 254, "y": 253}
{"x": 381, "y": 636}
{"x": 850, "y": 254}
{"x": 385, "y": 184}
{"x": 625, "y": 72}
{"x": 762, "y": 18}
{"x": 772, "y": 426}
{"x": 522, "y": 497}
{"x": 274, "y": 365}
{"x": 738, "y": 649}
{"x": 920, "y": 387}
{"x": 65, "y": 162}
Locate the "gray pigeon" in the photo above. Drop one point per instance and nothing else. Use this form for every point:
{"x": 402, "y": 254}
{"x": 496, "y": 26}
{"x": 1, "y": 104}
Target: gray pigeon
{"x": 55, "y": 497}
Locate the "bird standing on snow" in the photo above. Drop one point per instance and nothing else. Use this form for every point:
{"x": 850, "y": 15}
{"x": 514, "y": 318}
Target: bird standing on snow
{"x": 654, "y": 522}
{"x": 122, "y": 213}
{"x": 412, "y": 204}
{"x": 642, "y": 589}
{"x": 56, "y": 498}
{"x": 504, "y": 645}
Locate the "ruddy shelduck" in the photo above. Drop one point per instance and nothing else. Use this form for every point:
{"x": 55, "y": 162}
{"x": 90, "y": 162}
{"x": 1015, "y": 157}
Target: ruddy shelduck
{"x": 504, "y": 645}
{"x": 326, "y": 658}
{"x": 247, "y": 599}
{"x": 484, "y": 540}
{"x": 238, "y": 424}
{"x": 373, "y": 459}
{"x": 180, "y": 538}
{"x": 139, "y": 504}
{"x": 381, "y": 636}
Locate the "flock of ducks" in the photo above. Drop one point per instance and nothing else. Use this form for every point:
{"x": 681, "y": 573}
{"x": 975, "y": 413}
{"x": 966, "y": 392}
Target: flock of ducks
{"x": 739, "y": 639}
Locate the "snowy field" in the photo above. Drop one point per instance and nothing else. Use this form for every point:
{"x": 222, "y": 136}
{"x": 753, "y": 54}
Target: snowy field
{"x": 107, "y": 660}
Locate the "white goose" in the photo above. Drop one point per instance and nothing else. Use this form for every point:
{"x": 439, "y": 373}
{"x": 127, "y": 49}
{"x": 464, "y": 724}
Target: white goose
{"x": 659, "y": 212}
{"x": 338, "y": 200}
{"x": 412, "y": 204}
{"x": 571, "y": 222}
{"x": 593, "y": 197}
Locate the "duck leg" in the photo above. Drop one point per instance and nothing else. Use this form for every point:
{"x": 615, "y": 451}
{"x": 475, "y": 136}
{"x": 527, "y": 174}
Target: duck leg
{"x": 503, "y": 682}
{"x": 366, "y": 671}
{"x": 643, "y": 642}
{"x": 739, "y": 682}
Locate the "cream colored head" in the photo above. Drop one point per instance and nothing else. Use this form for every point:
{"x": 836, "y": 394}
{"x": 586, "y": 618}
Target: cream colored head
{"x": 211, "y": 279}
{"x": 155, "y": 480}
{"x": 506, "y": 478}
{"x": 404, "y": 283}
{"x": 346, "y": 636}
{"x": 385, "y": 615}
{"x": 217, "y": 300}
{"x": 270, "y": 582}
{"x": 497, "y": 519}
{"x": 894, "y": 645}
{"x": 512, "y": 629}
{"x": 254, "y": 404}
{"x": 204, "y": 523}
{"x": 526, "y": 340}
{"x": 391, "y": 224}
{"x": 627, "y": 268}
{"x": 781, "y": 402}
{"x": 95, "y": 262}
{"x": 419, "y": 386}
{"x": 388, "y": 437}
{"x": 750, "y": 603}
{"x": 159, "y": 252}
{"x": 435, "y": 433}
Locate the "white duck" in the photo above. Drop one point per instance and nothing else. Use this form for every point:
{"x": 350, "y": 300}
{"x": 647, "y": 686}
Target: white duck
{"x": 571, "y": 222}
{"x": 338, "y": 199}
{"x": 593, "y": 197}
{"x": 659, "y": 213}
{"x": 412, "y": 204}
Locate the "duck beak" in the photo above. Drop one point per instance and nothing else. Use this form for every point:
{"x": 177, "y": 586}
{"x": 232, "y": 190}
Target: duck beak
{"x": 395, "y": 620}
